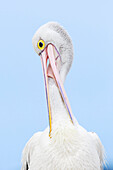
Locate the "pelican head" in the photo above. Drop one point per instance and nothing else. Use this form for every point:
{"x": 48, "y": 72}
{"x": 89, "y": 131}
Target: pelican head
{"x": 53, "y": 43}
{"x": 55, "y": 34}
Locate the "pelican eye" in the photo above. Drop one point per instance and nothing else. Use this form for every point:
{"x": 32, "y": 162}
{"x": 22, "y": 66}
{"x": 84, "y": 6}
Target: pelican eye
{"x": 41, "y": 44}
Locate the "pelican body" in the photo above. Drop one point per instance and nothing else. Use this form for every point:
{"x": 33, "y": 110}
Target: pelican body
{"x": 64, "y": 145}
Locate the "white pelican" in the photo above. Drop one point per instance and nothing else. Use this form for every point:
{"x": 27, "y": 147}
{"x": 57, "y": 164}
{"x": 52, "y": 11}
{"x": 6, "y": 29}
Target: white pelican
{"x": 64, "y": 145}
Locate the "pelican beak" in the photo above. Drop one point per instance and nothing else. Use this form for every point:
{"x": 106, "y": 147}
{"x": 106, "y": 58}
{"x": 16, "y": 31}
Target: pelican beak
{"x": 50, "y": 52}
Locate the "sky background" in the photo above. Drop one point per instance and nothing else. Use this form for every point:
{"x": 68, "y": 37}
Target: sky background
{"x": 89, "y": 84}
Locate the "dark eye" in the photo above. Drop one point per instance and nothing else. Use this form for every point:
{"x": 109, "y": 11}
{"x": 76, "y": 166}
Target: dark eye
{"x": 41, "y": 44}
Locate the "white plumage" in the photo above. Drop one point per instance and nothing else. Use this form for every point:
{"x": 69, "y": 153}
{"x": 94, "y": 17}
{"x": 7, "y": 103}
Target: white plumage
{"x": 70, "y": 146}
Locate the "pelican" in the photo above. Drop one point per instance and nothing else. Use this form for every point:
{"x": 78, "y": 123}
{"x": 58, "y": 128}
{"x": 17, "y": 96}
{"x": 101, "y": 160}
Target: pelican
{"x": 64, "y": 145}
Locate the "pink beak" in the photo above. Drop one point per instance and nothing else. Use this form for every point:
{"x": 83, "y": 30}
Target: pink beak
{"x": 49, "y": 53}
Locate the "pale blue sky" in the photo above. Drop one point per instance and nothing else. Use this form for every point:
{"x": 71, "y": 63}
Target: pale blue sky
{"x": 89, "y": 85}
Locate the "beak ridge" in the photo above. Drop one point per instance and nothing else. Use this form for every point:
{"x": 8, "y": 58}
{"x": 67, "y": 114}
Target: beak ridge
{"x": 50, "y": 50}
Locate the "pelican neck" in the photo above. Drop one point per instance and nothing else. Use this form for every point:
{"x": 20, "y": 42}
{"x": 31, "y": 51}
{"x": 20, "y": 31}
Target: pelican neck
{"x": 58, "y": 110}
